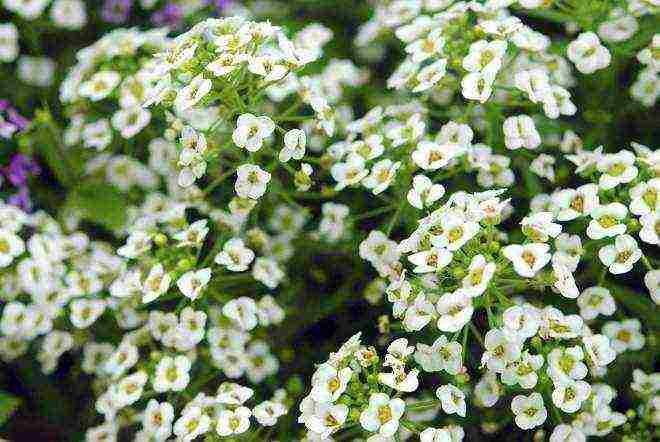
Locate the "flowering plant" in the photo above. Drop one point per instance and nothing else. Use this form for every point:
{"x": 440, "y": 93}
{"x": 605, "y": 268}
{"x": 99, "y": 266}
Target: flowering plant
{"x": 430, "y": 220}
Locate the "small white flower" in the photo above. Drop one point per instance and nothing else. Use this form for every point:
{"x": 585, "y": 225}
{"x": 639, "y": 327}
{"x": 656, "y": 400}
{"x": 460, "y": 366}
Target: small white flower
{"x": 650, "y": 232}
{"x": 454, "y": 310}
{"x": 382, "y": 414}
{"x": 483, "y": 54}
{"x": 423, "y": 192}
{"x": 418, "y": 314}
{"x": 427, "y": 47}
{"x": 251, "y": 181}
{"x": 607, "y": 221}
{"x": 573, "y": 203}
{"x": 268, "y": 272}
{"x": 382, "y": 175}
{"x": 328, "y": 383}
{"x": 520, "y": 131}
{"x": 192, "y": 93}
{"x": 11, "y": 246}
{"x": 84, "y": 312}
{"x": 500, "y": 350}
{"x": 620, "y": 256}
{"x": 529, "y": 411}
{"x": 251, "y": 131}
{"x": 569, "y": 395}
{"x": 567, "y": 433}
{"x": 172, "y": 374}
{"x": 652, "y": 281}
{"x": 599, "y": 350}
{"x": 242, "y": 311}
{"x": 100, "y": 85}
{"x": 565, "y": 364}
{"x": 235, "y": 256}
{"x": 157, "y": 419}
{"x": 452, "y": 399}
{"x": 130, "y": 121}
{"x": 193, "y": 282}
{"x": 192, "y": 423}
{"x": 527, "y": 259}
{"x": 625, "y": 335}
{"x": 645, "y": 197}
{"x": 540, "y": 227}
{"x": 432, "y": 156}
{"x": 617, "y": 168}
{"x": 588, "y": 54}
{"x": 594, "y": 301}
{"x": 294, "y": 145}
{"x": 442, "y": 355}
{"x": 479, "y": 85}
{"x": 235, "y": 421}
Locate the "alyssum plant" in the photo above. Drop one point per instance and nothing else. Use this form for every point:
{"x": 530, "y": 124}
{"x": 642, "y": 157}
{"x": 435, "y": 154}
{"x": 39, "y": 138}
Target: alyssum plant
{"x": 502, "y": 241}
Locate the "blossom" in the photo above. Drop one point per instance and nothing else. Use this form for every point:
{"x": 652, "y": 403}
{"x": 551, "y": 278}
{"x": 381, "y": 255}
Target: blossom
{"x": 382, "y": 414}
{"x": 235, "y": 421}
{"x": 424, "y": 192}
{"x": 520, "y": 131}
{"x": 452, "y": 399}
{"x": 527, "y": 259}
{"x": 529, "y": 411}
{"x": 620, "y": 256}
{"x": 251, "y": 181}
{"x": 172, "y": 374}
{"x": 588, "y": 54}
{"x": 454, "y": 310}
{"x": 251, "y": 131}
{"x": 193, "y": 282}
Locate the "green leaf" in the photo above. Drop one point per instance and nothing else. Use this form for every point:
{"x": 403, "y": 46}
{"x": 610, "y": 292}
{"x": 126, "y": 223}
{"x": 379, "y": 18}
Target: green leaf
{"x": 8, "y": 405}
{"x": 99, "y": 203}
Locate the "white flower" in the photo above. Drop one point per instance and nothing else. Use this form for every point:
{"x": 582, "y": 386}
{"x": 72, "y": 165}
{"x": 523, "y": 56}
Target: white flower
{"x": 588, "y": 54}
{"x": 452, "y": 399}
{"x": 267, "y": 271}
{"x": 620, "y": 256}
{"x": 645, "y": 197}
{"x": 594, "y": 301}
{"x": 424, "y": 192}
{"x": 382, "y": 174}
{"x": 432, "y": 156}
{"x": 399, "y": 380}
{"x": 652, "y": 281}
{"x": 599, "y": 350}
{"x": 442, "y": 355}
{"x": 84, "y": 312}
{"x": 157, "y": 283}
{"x": 650, "y": 232}
{"x": 68, "y": 14}
{"x": 100, "y": 85}
{"x": 527, "y": 259}
{"x": 294, "y": 145}
{"x": 242, "y": 311}
{"x": 418, "y": 314}
{"x": 484, "y": 54}
{"x": 192, "y": 423}
{"x": 172, "y": 374}
{"x": 523, "y": 371}
{"x": 130, "y": 121}
{"x": 97, "y": 134}
{"x": 573, "y": 203}
{"x": 569, "y": 251}
{"x": 193, "y": 235}
{"x": 324, "y": 418}
{"x": 235, "y": 256}
{"x": 427, "y": 47}
{"x": 430, "y": 75}
{"x": 500, "y": 350}
{"x": 129, "y": 389}
{"x": 456, "y": 231}
{"x": 192, "y": 93}
{"x": 624, "y": 335}
{"x": 435, "y": 435}
{"x": 645, "y": 384}
{"x": 564, "y": 281}
{"x": 251, "y": 181}
{"x": 350, "y": 172}
{"x": 235, "y": 421}
{"x": 11, "y": 246}
{"x": 617, "y": 168}
{"x": 251, "y": 131}
{"x": 454, "y": 310}
{"x": 9, "y": 49}
{"x": 565, "y": 364}
{"x": 539, "y": 226}
{"x": 607, "y": 221}
{"x": 569, "y": 395}
{"x": 407, "y": 133}
{"x": 567, "y": 433}
{"x": 193, "y": 282}
{"x": 521, "y": 321}
{"x": 328, "y": 383}
{"x": 157, "y": 419}
{"x": 520, "y": 131}
{"x": 534, "y": 82}
{"x": 529, "y": 411}
{"x": 382, "y": 414}
{"x": 479, "y": 85}
{"x": 267, "y": 412}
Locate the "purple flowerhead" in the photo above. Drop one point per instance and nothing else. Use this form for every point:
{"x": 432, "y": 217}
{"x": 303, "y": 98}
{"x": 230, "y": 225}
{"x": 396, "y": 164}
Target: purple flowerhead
{"x": 19, "y": 169}
{"x": 171, "y": 16}
{"x": 116, "y": 11}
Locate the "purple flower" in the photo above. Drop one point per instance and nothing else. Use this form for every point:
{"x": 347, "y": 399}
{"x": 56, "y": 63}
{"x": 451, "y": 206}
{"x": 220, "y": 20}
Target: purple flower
{"x": 21, "y": 199}
{"x": 170, "y": 16}
{"x": 19, "y": 169}
{"x": 116, "y": 11}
